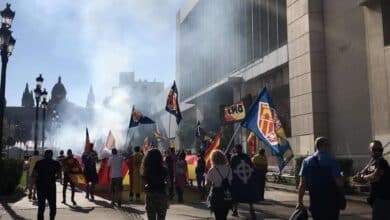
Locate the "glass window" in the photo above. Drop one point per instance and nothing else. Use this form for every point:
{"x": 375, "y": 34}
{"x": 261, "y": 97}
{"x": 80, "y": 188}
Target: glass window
{"x": 386, "y": 21}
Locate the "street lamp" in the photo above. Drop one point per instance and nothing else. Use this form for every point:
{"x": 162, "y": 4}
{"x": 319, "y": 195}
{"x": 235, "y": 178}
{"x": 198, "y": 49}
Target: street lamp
{"x": 38, "y": 94}
{"x": 44, "y": 106}
{"x": 7, "y": 44}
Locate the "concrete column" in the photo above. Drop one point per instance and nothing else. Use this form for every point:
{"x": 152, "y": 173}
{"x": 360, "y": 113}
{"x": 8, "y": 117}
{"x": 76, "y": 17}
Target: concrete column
{"x": 307, "y": 73}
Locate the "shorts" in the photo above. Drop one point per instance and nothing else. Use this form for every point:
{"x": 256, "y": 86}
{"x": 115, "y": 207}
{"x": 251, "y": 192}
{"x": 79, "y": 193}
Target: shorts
{"x": 116, "y": 184}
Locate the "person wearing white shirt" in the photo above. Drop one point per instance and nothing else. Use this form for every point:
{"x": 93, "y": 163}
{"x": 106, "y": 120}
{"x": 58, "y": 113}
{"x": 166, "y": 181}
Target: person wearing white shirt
{"x": 115, "y": 164}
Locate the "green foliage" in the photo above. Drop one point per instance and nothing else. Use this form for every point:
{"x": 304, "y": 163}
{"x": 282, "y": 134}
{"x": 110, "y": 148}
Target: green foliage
{"x": 11, "y": 172}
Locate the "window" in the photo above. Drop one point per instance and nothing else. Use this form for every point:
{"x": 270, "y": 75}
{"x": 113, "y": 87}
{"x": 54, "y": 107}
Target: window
{"x": 386, "y": 21}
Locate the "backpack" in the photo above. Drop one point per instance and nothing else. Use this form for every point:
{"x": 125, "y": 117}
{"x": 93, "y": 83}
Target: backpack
{"x": 221, "y": 197}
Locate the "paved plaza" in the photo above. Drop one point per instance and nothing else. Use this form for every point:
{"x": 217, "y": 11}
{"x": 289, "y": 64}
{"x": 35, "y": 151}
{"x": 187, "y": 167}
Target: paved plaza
{"x": 279, "y": 204}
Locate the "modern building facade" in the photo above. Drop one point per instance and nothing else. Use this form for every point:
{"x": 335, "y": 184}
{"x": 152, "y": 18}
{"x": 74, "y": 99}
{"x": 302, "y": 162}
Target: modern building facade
{"x": 325, "y": 62}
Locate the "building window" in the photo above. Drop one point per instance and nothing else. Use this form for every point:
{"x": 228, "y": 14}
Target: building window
{"x": 386, "y": 21}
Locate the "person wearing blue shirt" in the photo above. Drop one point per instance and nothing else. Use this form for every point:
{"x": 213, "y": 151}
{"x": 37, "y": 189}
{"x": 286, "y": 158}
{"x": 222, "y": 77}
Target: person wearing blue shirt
{"x": 320, "y": 174}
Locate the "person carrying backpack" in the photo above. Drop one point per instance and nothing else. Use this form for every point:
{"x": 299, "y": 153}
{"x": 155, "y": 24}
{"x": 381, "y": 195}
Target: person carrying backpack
{"x": 219, "y": 177}
{"x": 200, "y": 171}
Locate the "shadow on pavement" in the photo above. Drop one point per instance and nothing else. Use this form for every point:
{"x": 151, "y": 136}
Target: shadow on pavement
{"x": 11, "y": 212}
{"x": 80, "y": 209}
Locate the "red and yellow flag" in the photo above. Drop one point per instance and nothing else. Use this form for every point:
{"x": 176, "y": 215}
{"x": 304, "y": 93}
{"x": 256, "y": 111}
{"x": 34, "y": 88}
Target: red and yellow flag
{"x": 216, "y": 144}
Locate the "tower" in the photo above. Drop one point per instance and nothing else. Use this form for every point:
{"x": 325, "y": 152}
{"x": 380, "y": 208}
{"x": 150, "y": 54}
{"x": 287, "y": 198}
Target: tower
{"x": 27, "y": 98}
{"x": 91, "y": 98}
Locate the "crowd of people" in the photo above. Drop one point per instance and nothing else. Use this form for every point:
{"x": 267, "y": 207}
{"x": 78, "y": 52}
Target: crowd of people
{"x": 232, "y": 179}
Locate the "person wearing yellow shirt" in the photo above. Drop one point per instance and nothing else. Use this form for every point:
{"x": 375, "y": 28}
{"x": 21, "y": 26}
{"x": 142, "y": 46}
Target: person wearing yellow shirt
{"x": 31, "y": 186}
{"x": 260, "y": 164}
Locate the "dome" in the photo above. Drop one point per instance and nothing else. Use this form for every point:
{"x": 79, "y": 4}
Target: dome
{"x": 58, "y": 92}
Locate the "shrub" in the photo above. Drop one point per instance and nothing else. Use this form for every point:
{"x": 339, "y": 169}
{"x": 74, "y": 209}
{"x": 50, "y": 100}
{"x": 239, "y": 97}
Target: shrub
{"x": 10, "y": 171}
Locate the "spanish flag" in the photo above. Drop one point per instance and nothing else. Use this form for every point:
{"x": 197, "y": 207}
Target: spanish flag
{"x": 216, "y": 144}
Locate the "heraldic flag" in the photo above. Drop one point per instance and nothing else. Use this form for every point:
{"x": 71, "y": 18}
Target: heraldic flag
{"x": 263, "y": 120}
{"x": 173, "y": 103}
{"x": 138, "y": 118}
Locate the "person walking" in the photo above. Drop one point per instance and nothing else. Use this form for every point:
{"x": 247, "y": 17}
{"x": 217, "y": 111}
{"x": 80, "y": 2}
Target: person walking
{"x": 115, "y": 164}
{"x": 320, "y": 173}
{"x": 200, "y": 174}
{"x": 32, "y": 181}
{"x": 170, "y": 161}
{"x": 219, "y": 171}
{"x": 46, "y": 172}
{"x": 377, "y": 172}
{"x": 71, "y": 166}
{"x": 181, "y": 176}
{"x": 60, "y": 160}
{"x": 244, "y": 187}
{"x": 155, "y": 177}
{"x": 91, "y": 178}
{"x": 260, "y": 165}
{"x": 135, "y": 177}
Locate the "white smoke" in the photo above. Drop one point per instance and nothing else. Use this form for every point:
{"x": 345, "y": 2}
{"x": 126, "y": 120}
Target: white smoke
{"x": 106, "y": 43}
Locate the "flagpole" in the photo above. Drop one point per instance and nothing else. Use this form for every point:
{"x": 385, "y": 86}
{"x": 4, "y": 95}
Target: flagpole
{"x": 169, "y": 128}
{"x": 232, "y": 138}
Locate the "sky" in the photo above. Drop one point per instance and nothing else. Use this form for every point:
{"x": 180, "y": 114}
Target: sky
{"x": 88, "y": 43}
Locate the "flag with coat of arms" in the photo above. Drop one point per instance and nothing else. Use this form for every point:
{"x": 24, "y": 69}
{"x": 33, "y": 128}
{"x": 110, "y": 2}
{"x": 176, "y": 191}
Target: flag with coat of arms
{"x": 263, "y": 121}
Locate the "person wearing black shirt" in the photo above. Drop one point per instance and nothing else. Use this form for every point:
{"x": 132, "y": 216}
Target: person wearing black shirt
{"x": 170, "y": 162}
{"x": 155, "y": 176}
{"x": 377, "y": 172}
{"x": 46, "y": 172}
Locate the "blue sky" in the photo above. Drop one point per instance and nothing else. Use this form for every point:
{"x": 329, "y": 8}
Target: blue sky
{"x": 89, "y": 43}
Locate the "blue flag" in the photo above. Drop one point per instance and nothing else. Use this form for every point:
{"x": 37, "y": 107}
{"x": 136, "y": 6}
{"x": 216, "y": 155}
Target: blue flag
{"x": 138, "y": 118}
{"x": 263, "y": 120}
{"x": 172, "y": 105}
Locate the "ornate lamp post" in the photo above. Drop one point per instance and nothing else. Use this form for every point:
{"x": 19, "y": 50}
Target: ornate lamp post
{"x": 38, "y": 94}
{"x": 44, "y": 106}
{"x": 7, "y": 43}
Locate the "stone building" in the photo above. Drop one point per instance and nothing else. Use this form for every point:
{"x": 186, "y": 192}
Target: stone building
{"x": 325, "y": 62}
{"x": 59, "y": 112}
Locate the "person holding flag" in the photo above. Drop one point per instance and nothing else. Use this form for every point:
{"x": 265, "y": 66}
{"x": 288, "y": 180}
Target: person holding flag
{"x": 244, "y": 184}
{"x": 71, "y": 166}
{"x": 89, "y": 160}
{"x": 260, "y": 164}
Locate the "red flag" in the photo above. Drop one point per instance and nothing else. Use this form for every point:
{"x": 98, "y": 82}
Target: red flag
{"x": 213, "y": 146}
{"x": 88, "y": 145}
{"x": 103, "y": 174}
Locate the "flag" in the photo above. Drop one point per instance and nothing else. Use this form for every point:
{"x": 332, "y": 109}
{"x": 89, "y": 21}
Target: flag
{"x": 172, "y": 105}
{"x": 263, "y": 120}
{"x": 88, "y": 145}
{"x": 203, "y": 136}
{"x": 235, "y": 112}
{"x": 110, "y": 142}
{"x": 252, "y": 143}
{"x": 138, "y": 118}
{"x": 215, "y": 144}
{"x": 156, "y": 133}
{"x": 146, "y": 145}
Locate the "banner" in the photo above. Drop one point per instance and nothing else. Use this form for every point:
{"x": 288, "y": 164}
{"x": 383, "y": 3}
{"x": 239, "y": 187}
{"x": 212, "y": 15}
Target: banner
{"x": 137, "y": 118}
{"x": 263, "y": 120}
{"x": 172, "y": 105}
{"x": 236, "y": 112}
